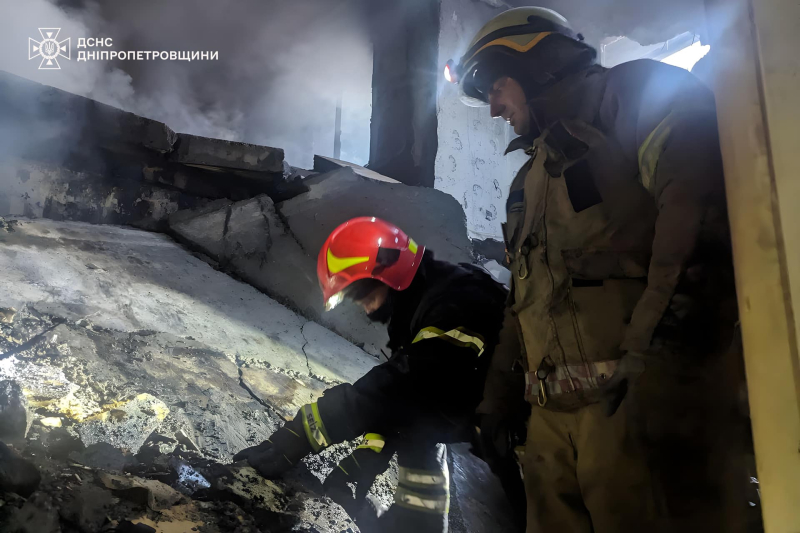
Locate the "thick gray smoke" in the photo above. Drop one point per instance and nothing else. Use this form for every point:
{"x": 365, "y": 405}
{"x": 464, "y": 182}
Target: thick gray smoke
{"x": 282, "y": 66}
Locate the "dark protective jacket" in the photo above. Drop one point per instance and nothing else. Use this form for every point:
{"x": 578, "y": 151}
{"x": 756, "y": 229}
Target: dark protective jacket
{"x": 616, "y": 231}
{"x": 442, "y": 335}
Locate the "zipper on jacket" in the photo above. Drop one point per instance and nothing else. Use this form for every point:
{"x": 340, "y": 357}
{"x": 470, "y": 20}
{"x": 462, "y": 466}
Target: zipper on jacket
{"x": 544, "y": 244}
{"x": 581, "y": 349}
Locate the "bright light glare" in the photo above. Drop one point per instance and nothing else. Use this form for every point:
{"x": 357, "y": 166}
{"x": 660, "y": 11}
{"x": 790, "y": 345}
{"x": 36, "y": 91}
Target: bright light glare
{"x": 687, "y": 57}
{"x": 447, "y": 74}
{"x": 334, "y": 300}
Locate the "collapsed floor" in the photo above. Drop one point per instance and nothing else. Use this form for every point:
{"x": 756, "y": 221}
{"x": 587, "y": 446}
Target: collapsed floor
{"x": 133, "y": 371}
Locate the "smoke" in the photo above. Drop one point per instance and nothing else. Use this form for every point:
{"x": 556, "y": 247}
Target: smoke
{"x": 644, "y": 21}
{"x": 282, "y": 66}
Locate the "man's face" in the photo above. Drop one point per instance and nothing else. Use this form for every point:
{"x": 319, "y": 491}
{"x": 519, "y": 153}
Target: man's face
{"x": 507, "y": 100}
{"x": 374, "y": 300}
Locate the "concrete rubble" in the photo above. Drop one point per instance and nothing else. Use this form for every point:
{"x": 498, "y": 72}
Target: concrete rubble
{"x": 274, "y": 246}
{"x": 430, "y": 217}
{"x": 132, "y": 367}
{"x": 137, "y": 349}
{"x": 250, "y": 240}
{"x": 144, "y": 371}
{"x": 70, "y": 158}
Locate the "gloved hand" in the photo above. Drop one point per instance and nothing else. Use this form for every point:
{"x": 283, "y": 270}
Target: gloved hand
{"x": 630, "y": 367}
{"x": 280, "y": 452}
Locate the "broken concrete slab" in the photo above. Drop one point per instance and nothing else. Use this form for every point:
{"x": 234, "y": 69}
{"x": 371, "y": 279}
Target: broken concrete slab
{"x": 323, "y": 165}
{"x": 125, "y": 424}
{"x": 47, "y": 122}
{"x": 70, "y": 158}
{"x": 108, "y": 315}
{"x": 204, "y": 228}
{"x": 432, "y": 218}
{"x": 95, "y": 370}
{"x": 284, "y": 392}
{"x": 36, "y": 189}
{"x": 330, "y": 354}
{"x": 250, "y": 240}
{"x": 210, "y": 182}
{"x": 217, "y": 153}
{"x": 156, "y": 496}
{"x": 130, "y": 280}
{"x": 105, "y": 314}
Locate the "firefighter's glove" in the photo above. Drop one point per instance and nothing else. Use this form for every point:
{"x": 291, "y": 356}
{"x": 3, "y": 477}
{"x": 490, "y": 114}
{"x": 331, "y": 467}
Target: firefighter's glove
{"x": 280, "y": 452}
{"x": 630, "y": 367}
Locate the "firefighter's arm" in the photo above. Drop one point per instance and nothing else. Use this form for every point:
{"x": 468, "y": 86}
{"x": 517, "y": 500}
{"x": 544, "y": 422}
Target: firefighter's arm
{"x": 424, "y": 376}
{"x": 343, "y": 413}
{"x": 427, "y": 375}
{"x": 681, "y": 167}
{"x": 436, "y": 369}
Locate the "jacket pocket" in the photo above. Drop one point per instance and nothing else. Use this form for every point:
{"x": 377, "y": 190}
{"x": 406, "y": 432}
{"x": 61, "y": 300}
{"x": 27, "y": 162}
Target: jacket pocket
{"x": 604, "y": 288}
{"x": 599, "y": 265}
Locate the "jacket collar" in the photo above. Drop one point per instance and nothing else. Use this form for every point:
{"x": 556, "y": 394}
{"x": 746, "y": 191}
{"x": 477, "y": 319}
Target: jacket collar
{"x": 524, "y": 142}
{"x": 405, "y": 306}
{"x": 576, "y": 96}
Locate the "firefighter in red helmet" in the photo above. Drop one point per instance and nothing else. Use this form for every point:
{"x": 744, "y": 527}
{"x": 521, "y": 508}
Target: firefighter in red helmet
{"x": 443, "y": 322}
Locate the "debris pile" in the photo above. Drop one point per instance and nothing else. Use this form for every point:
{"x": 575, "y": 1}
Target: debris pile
{"x": 101, "y": 455}
{"x": 102, "y": 489}
{"x": 131, "y": 371}
{"x": 113, "y": 363}
{"x": 241, "y": 205}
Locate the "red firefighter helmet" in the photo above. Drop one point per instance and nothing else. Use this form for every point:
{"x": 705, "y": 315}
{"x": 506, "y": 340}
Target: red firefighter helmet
{"x": 366, "y": 248}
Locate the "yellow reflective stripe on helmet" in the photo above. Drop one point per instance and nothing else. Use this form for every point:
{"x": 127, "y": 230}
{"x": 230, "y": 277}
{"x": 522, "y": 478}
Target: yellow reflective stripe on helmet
{"x": 428, "y": 503}
{"x": 412, "y": 245}
{"x": 508, "y": 43}
{"x": 458, "y": 336}
{"x": 651, "y": 149}
{"x": 373, "y": 441}
{"x": 315, "y": 429}
{"x": 337, "y": 264}
{"x": 422, "y": 479}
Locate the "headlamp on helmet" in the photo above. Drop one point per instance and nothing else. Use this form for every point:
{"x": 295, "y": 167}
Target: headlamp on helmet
{"x": 451, "y": 72}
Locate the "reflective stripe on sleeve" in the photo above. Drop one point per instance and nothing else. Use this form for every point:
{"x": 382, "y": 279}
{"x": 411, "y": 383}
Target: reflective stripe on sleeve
{"x": 651, "y": 149}
{"x": 374, "y": 442}
{"x": 459, "y": 336}
{"x": 422, "y": 479}
{"x": 437, "y": 504}
{"x": 315, "y": 429}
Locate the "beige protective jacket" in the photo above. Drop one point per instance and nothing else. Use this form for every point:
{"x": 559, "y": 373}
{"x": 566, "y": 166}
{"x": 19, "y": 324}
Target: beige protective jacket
{"x": 616, "y": 232}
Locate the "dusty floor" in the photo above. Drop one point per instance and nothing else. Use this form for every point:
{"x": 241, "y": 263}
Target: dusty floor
{"x": 144, "y": 370}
